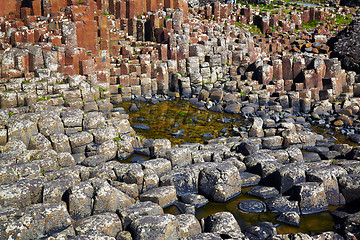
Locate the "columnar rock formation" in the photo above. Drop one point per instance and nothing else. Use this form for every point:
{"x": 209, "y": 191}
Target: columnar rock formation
{"x": 66, "y": 64}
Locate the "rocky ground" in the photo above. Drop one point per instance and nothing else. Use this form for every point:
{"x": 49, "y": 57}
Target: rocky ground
{"x": 65, "y": 63}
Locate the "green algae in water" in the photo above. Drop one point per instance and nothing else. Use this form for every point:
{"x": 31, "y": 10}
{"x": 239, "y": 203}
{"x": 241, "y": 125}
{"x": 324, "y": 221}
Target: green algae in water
{"x": 311, "y": 223}
{"x": 162, "y": 116}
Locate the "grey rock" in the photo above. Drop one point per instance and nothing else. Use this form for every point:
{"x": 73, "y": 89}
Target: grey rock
{"x": 194, "y": 199}
{"x": 39, "y": 142}
{"x": 311, "y": 197}
{"x": 221, "y": 223}
{"x": 104, "y": 134}
{"x": 14, "y": 195}
{"x": 256, "y": 129}
{"x": 264, "y": 192}
{"x": 220, "y": 183}
{"x": 80, "y": 200}
{"x": 162, "y": 226}
{"x": 282, "y": 204}
{"x": 45, "y": 220}
{"x": 72, "y": 118}
{"x": 93, "y": 120}
{"x": 179, "y": 157}
{"x": 94, "y": 161}
{"x": 262, "y": 230}
{"x": 54, "y": 190}
{"x": 80, "y": 139}
{"x": 350, "y": 186}
{"x": 188, "y": 225}
{"x": 129, "y": 173}
{"x": 272, "y": 142}
{"x": 249, "y": 179}
{"x": 205, "y": 236}
{"x": 60, "y": 142}
{"x": 65, "y": 159}
{"x": 252, "y": 206}
{"x": 291, "y": 218}
{"x": 110, "y": 199}
{"x": 328, "y": 177}
{"x": 106, "y": 223}
{"x": 150, "y": 180}
{"x": 184, "y": 180}
{"x": 107, "y": 149}
{"x": 131, "y": 190}
{"x": 295, "y": 154}
{"x": 164, "y": 196}
{"x": 161, "y": 166}
{"x": 129, "y": 213}
{"x": 49, "y": 124}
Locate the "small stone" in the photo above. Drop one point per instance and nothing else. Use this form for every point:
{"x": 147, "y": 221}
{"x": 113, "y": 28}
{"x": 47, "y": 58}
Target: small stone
{"x": 291, "y": 218}
{"x": 338, "y": 123}
{"x": 141, "y": 126}
{"x": 252, "y": 206}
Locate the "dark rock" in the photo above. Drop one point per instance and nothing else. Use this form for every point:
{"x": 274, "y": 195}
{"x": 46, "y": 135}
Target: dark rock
{"x": 311, "y": 157}
{"x": 350, "y": 187}
{"x": 207, "y": 135}
{"x": 221, "y": 223}
{"x": 263, "y": 192}
{"x": 249, "y": 179}
{"x": 247, "y": 148}
{"x": 311, "y": 197}
{"x": 205, "y": 236}
{"x": 346, "y": 45}
{"x": 141, "y": 126}
{"x": 194, "y": 199}
{"x": 290, "y": 175}
{"x": 282, "y": 204}
{"x": 184, "y": 180}
{"x": 291, "y": 218}
{"x": 133, "y": 108}
{"x": 216, "y": 108}
{"x": 252, "y": 206}
{"x": 261, "y": 230}
{"x": 328, "y": 176}
{"x": 179, "y": 133}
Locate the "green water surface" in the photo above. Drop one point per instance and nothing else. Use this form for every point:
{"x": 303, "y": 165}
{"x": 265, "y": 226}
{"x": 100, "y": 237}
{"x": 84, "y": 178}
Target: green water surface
{"x": 160, "y": 118}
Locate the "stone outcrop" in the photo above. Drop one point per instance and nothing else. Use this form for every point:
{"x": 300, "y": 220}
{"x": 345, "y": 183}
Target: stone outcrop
{"x": 346, "y": 46}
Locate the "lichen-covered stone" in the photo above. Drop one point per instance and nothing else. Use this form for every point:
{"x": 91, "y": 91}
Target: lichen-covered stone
{"x": 80, "y": 200}
{"x": 162, "y": 226}
{"x": 105, "y": 223}
{"x": 110, "y": 199}
{"x": 220, "y": 183}
{"x": 129, "y": 213}
{"x": 164, "y": 196}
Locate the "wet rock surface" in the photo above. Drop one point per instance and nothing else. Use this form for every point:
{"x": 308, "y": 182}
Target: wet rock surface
{"x": 66, "y": 66}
